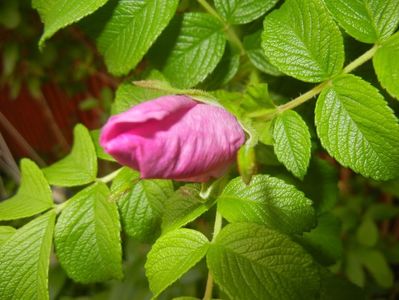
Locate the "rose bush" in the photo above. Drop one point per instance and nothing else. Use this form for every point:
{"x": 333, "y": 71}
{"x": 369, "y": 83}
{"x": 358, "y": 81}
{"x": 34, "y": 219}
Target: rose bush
{"x": 174, "y": 137}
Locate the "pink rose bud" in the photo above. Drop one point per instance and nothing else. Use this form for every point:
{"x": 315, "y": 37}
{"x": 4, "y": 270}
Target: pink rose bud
{"x": 174, "y": 137}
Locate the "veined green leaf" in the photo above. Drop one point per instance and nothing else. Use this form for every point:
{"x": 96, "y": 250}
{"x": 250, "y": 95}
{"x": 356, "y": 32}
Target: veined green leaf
{"x": 249, "y": 261}
{"x": 366, "y": 20}
{"x": 5, "y": 233}
{"x": 184, "y": 206}
{"x": 357, "y": 128}
{"x": 130, "y": 28}
{"x": 224, "y": 71}
{"x": 140, "y": 203}
{"x": 198, "y": 49}
{"x": 292, "y": 142}
{"x": 33, "y": 197}
{"x": 268, "y": 201}
{"x": 241, "y": 12}
{"x": 57, "y": 14}
{"x": 386, "y": 64}
{"x": 252, "y": 45}
{"x": 128, "y": 94}
{"x": 79, "y": 166}
{"x": 302, "y": 40}
{"x": 172, "y": 255}
{"x": 87, "y": 238}
{"x": 24, "y": 260}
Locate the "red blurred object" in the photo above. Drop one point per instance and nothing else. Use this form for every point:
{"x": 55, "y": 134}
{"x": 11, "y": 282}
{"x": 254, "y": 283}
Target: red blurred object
{"x": 30, "y": 117}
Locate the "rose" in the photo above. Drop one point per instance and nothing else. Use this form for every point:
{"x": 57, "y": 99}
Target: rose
{"x": 174, "y": 137}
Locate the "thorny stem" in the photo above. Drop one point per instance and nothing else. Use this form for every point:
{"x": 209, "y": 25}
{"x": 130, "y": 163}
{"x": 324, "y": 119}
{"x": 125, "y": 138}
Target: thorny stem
{"x": 232, "y": 36}
{"x": 209, "y": 283}
{"x": 318, "y": 88}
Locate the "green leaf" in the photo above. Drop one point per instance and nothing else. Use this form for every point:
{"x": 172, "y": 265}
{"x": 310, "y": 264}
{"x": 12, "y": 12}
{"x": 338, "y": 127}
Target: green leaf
{"x": 140, "y": 203}
{"x": 101, "y": 154}
{"x": 24, "y": 260}
{"x": 324, "y": 241}
{"x": 386, "y": 64}
{"x": 33, "y": 197}
{"x": 335, "y": 287}
{"x": 252, "y": 46}
{"x": 79, "y": 167}
{"x": 249, "y": 261}
{"x": 357, "y": 128}
{"x": 375, "y": 262}
{"x": 172, "y": 255}
{"x": 366, "y": 20}
{"x": 324, "y": 194}
{"x": 367, "y": 232}
{"x": 57, "y": 14}
{"x": 354, "y": 270}
{"x": 129, "y": 28}
{"x": 246, "y": 162}
{"x": 302, "y": 40}
{"x": 87, "y": 238}
{"x": 224, "y": 71}
{"x": 292, "y": 142}
{"x": 5, "y": 233}
{"x": 269, "y": 201}
{"x": 184, "y": 206}
{"x": 128, "y": 94}
{"x": 241, "y": 12}
{"x": 198, "y": 49}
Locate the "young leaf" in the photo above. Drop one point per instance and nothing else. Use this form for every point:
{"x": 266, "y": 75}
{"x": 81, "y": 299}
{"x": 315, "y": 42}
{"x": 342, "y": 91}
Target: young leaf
{"x": 357, "y": 128}
{"x": 376, "y": 263}
{"x": 386, "y": 64}
{"x": 57, "y": 14}
{"x": 367, "y": 232}
{"x": 268, "y": 201}
{"x": 129, "y": 29}
{"x": 365, "y": 20}
{"x": 241, "y": 12}
{"x": 292, "y": 142}
{"x": 246, "y": 162}
{"x": 79, "y": 166}
{"x": 252, "y": 45}
{"x": 140, "y": 203}
{"x": 33, "y": 197}
{"x": 197, "y": 51}
{"x": 24, "y": 260}
{"x": 129, "y": 94}
{"x": 184, "y": 206}
{"x": 87, "y": 239}
{"x": 173, "y": 255}
{"x": 249, "y": 261}
{"x": 5, "y": 233}
{"x": 302, "y": 40}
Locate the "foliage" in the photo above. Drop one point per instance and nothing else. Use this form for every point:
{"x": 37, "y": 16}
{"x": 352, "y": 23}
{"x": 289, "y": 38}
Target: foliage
{"x": 282, "y": 229}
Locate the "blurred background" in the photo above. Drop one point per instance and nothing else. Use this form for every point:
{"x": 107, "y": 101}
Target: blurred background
{"x": 44, "y": 94}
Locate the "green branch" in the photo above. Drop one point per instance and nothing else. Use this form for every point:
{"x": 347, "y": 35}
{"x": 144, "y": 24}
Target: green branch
{"x": 230, "y": 33}
{"x": 209, "y": 283}
{"x": 318, "y": 88}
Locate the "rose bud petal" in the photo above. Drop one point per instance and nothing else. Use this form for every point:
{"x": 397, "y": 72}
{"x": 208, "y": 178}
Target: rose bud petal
{"x": 174, "y": 137}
